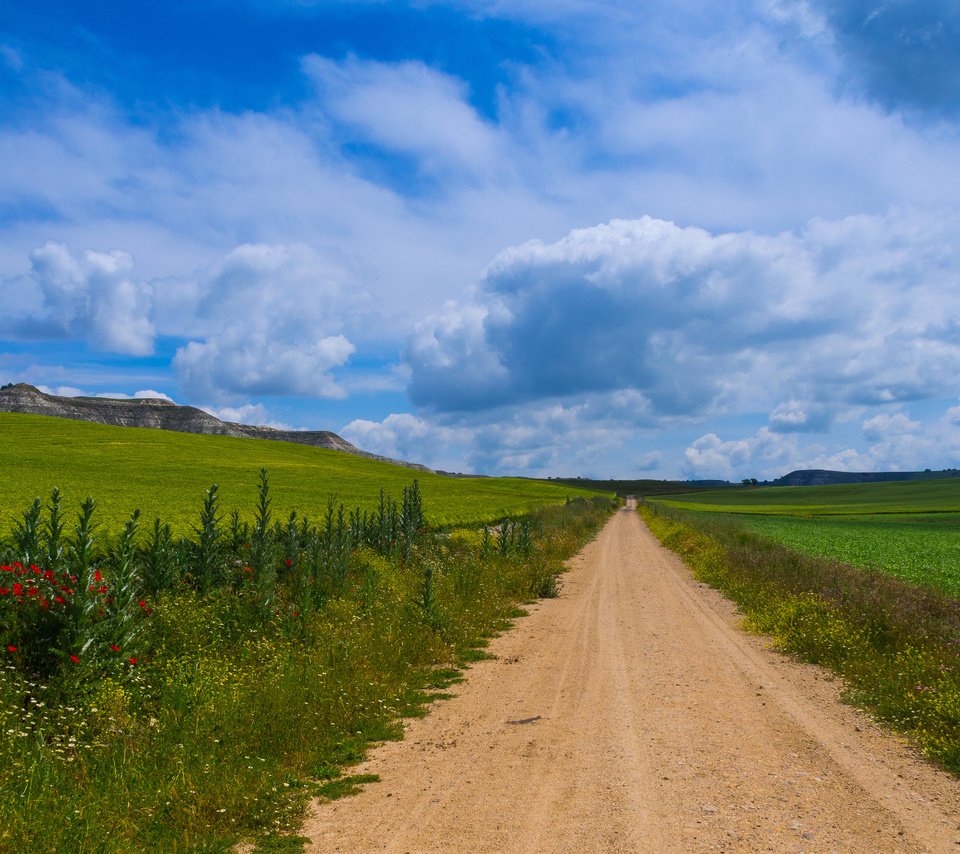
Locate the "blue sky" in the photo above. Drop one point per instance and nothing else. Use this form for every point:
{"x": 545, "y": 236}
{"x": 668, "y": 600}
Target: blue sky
{"x": 629, "y": 239}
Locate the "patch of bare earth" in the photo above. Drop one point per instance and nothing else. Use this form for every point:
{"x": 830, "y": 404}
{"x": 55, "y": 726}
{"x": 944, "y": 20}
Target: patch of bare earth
{"x": 631, "y": 714}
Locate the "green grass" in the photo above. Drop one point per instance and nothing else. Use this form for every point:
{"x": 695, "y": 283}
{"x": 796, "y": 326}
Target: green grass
{"x": 922, "y": 553}
{"x": 898, "y": 498}
{"x": 909, "y": 529}
{"x": 166, "y": 474}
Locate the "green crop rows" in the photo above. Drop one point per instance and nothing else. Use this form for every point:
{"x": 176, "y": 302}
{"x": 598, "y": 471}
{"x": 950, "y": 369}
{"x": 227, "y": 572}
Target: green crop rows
{"x": 910, "y": 529}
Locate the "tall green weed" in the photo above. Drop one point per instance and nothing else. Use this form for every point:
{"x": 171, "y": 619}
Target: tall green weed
{"x": 192, "y": 703}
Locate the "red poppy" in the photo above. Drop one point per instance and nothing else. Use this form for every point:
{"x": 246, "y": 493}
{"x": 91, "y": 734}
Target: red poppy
{"x": 75, "y": 659}
{"x": 32, "y": 591}
{"x": 34, "y": 569}
{"x": 133, "y": 659}
{"x": 18, "y": 589}
{"x": 4, "y": 591}
{"x": 44, "y": 603}
{"x": 11, "y": 648}
{"x": 102, "y": 588}
{"x": 48, "y": 574}
{"x": 288, "y": 562}
{"x": 97, "y": 575}
{"x": 114, "y": 647}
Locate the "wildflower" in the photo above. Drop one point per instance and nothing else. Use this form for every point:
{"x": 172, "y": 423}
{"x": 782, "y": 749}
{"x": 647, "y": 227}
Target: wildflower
{"x": 102, "y": 588}
{"x": 133, "y": 659}
{"x": 18, "y": 589}
{"x": 288, "y": 562}
{"x": 114, "y": 647}
{"x": 32, "y": 591}
{"x": 11, "y": 648}
{"x": 97, "y": 575}
{"x": 75, "y": 659}
{"x": 60, "y": 600}
{"x": 4, "y": 591}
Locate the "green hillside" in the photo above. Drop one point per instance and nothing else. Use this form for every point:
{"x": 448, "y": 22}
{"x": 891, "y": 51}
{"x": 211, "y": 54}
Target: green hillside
{"x": 166, "y": 474}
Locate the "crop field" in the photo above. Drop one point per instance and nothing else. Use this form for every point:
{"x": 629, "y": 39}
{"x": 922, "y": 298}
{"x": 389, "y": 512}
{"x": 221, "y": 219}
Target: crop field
{"x": 910, "y": 530}
{"x": 166, "y": 474}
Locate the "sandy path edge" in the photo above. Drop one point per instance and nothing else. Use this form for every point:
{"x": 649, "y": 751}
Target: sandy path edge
{"x": 631, "y": 714}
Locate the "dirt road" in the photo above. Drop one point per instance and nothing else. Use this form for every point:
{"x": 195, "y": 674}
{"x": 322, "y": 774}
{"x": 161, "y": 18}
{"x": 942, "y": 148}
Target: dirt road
{"x": 631, "y": 714}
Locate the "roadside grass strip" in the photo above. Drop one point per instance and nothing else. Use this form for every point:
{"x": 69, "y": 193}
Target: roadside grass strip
{"x": 170, "y": 693}
{"x": 897, "y": 645}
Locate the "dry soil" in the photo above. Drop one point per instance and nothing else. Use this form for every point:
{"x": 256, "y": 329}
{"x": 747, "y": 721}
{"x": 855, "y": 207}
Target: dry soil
{"x": 632, "y": 714}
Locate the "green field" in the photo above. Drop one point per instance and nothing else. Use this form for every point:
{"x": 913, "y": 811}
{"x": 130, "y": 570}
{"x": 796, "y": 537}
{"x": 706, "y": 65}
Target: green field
{"x": 908, "y": 529}
{"x": 899, "y": 498}
{"x": 166, "y": 474}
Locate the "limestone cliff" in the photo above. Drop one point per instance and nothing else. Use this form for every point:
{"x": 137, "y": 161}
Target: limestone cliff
{"x": 164, "y": 415}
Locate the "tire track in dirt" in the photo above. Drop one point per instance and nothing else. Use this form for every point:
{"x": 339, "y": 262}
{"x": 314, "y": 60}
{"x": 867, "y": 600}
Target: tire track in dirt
{"x": 632, "y": 715}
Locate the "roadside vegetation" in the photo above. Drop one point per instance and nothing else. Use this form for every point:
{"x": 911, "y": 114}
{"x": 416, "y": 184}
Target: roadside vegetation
{"x": 166, "y": 691}
{"x": 896, "y": 644}
{"x": 160, "y": 472}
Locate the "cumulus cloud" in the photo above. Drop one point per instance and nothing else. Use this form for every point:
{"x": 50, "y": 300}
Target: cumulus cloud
{"x": 585, "y": 437}
{"x": 711, "y": 457}
{"x": 273, "y": 317}
{"x": 249, "y": 413}
{"x": 90, "y": 296}
{"x": 895, "y": 442}
{"x": 407, "y": 437}
{"x": 797, "y": 416}
{"x": 856, "y": 311}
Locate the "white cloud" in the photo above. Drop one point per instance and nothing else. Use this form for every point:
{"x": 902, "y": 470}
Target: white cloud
{"x": 143, "y": 394}
{"x": 407, "y": 107}
{"x": 857, "y": 311}
{"x": 251, "y": 413}
{"x": 581, "y": 438}
{"x": 710, "y": 457}
{"x": 90, "y": 295}
{"x": 886, "y": 426}
{"x": 273, "y": 318}
{"x": 798, "y": 416}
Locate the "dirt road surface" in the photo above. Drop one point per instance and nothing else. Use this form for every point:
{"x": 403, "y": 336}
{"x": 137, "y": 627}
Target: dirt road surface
{"x": 632, "y": 715}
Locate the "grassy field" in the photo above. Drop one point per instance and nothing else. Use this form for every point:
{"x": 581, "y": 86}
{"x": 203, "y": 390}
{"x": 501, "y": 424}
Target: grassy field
{"x": 910, "y": 529}
{"x": 899, "y": 498}
{"x": 166, "y": 474}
